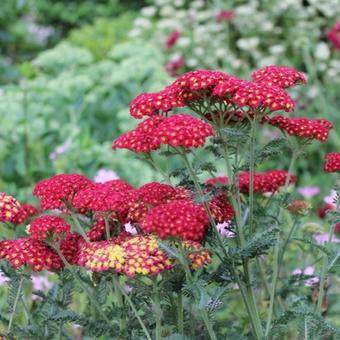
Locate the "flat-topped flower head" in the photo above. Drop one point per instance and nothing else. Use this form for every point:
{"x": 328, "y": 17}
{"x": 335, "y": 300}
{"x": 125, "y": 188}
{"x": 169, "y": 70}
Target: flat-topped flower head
{"x": 254, "y": 95}
{"x": 171, "y": 39}
{"x": 332, "y": 162}
{"x": 56, "y": 190}
{"x": 180, "y": 218}
{"x": 153, "y": 194}
{"x": 29, "y": 251}
{"x": 142, "y": 138}
{"x": 102, "y": 197}
{"x": 220, "y": 180}
{"x": 303, "y": 127}
{"x": 148, "y": 104}
{"x": 198, "y": 257}
{"x": 199, "y": 80}
{"x": 25, "y": 212}
{"x": 42, "y": 226}
{"x": 269, "y": 181}
{"x": 281, "y": 76}
{"x": 9, "y": 208}
{"x": 137, "y": 255}
{"x": 184, "y": 131}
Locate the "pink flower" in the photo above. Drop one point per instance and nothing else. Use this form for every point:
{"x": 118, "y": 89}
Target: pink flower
{"x": 171, "y": 39}
{"x": 334, "y": 36}
{"x": 129, "y": 228}
{"x": 40, "y": 282}
{"x": 323, "y": 238}
{"x": 308, "y": 192}
{"x": 3, "y": 278}
{"x": 173, "y": 65}
{"x": 225, "y": 229}
{"x": 104, "y": 175}
{"x": 331, "y": 198}
{"x": 59, "y": 150}
{"x": 225, "y": 15}
{"x": 308, "y": 271}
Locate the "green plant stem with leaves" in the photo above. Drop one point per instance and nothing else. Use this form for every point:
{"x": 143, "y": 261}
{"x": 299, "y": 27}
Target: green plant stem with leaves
{"x": 325, "y": 263}
{"x": 120, "y": 304}
{"x": 180, "y": 321}
{"x": 15, "y": 305}
{"x": 157, "y": 310}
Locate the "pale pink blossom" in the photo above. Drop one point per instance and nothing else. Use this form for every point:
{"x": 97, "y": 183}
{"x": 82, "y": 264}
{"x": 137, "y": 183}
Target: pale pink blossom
{"x": 105, "y": 175}
{"x": 308, "y": 191}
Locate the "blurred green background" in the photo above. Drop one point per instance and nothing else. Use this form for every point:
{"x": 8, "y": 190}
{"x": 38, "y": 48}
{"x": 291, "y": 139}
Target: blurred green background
{"x": 68, "y": 70}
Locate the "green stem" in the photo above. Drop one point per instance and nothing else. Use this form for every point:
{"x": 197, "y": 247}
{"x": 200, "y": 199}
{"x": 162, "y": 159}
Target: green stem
{"x": 15, "y": 305}
{"x": 246, "y": 291}
{"x": 251, "y": 173}
{"x": 180, "y": 322}
{"x": 325, "y": 265}
{"x": 79, "y": 228}
{"x": 190, "y": 278}
{"x": 128, "y": 299}
{"x": 107, "y": 227}
{"x": 263, "y": 276}
{"x": 80, "y": 281}
{"x": 277, "y": 257}
{"x": 120, "y": 303}
{"x": 157, "y": 311}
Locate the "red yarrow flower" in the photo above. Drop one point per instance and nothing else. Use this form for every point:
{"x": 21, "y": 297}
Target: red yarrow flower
{"x": 334, "y": 36}
{"x": 332, "y": 162}
{"x": 184, "y": 131}
{"x": 141, "y": 139}
{"x": 225, "y": 15}
{"x": 153, "y": 194}
{"x": 281, "y": 76}
{"x": 148, "y": 104}
{"x": 171, "y": 39}
{"x": 42, "y": 226}
{"x": 25, "y": 212}
{"x": 303, "y": 127}
{"x": 102, "y": 198}
{"x": 257, "y": 96}
{"x": 174, "y": 65}
{"x": 181, "y": 218}
{"x": 220, "y": 180}
{"x": 9, "y": 208}
{"x": 269, "y": 181}
{"x": 55, "y": 191}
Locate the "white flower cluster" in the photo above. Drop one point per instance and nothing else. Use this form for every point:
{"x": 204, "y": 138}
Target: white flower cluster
{"x": 279, "y": 31}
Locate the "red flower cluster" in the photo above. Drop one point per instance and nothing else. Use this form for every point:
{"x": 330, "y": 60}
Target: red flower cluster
{"x": 171, "y": 39}
{"x": 281, "y": 76}
{"x": 41, "y": 226}
{"x": 9, "y": 208}
{"x": 54, "y": 191}
{"x": 183, "y": 130}
{"x": 269, "y": 181}
{"x": 221, "y": 180}
{"x": 104, "y": 197}
{"x": 198, "y": 257}
{"x": 177, "y": 130}
{"x": 303, "y": 127}
{"x": 225, "y": 15}
{"x": 174, "y": 65}
{"x": 334, "y": 36}
{"x": 148, "y": 104}
{"x": 25, "y": 212}
{"x": 151, "y": 195}
{"x": 181, "y": 218}
{"x": 255, "y": 95}
{"x": 332, "y": 162}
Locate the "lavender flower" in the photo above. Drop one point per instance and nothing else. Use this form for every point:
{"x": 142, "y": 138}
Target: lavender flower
{"x": 331, "y": 198}
{"x": 308, "y": 191}
{"x": 321, "y": 239}
{"x": 225, "y": 229}
{"x": 104, "y": 175}
{"x": 59, "y": 150}
{"x": 3, "y": 278}
{"x": 308, "y": 271}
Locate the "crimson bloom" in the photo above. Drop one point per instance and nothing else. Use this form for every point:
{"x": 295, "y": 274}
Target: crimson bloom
{"x": 303, "y": 127}
{"x": 281, "y": 76}
{"x": 56, "y": 190}
{"x": 25, "y": 212}
{"x": 181, "y": 218}
{"x": 171, "y": 39}
{"x": 334, "y": 36}
{"x": 41, "y": 226}
{"x": 269, "y": 181}
{"x": 183, "y": 130}
{"x": 332, "y": 162}
{"x": 225, "y": 15}
{"x": 255, "y": 95}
